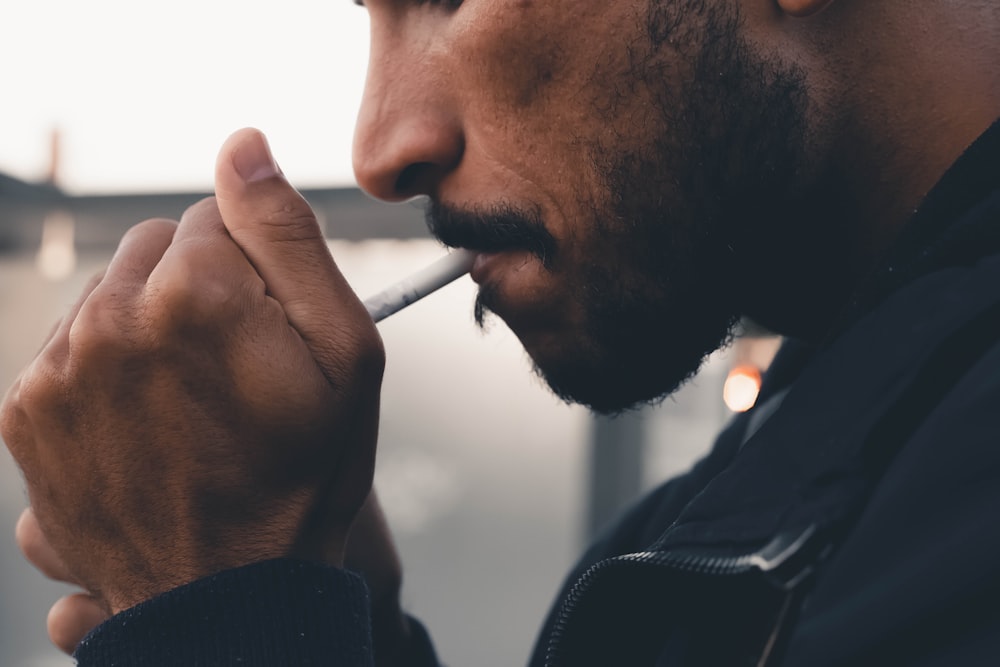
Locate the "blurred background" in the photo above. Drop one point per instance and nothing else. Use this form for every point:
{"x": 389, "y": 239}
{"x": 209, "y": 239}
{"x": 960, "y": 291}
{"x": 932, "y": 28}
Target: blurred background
{"x": 113, "y": 112}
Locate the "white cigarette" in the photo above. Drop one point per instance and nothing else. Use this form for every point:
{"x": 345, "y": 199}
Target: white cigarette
{"x": 418, "y": 285}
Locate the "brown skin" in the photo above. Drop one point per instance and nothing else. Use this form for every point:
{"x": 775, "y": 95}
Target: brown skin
{"x": 473, "y": 106}
{"x": 255, "y": 442}
{"x": 476, "y": 104}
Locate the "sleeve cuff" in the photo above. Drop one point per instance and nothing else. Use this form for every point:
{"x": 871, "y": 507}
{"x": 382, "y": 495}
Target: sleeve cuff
{"x": 278, "y": 612}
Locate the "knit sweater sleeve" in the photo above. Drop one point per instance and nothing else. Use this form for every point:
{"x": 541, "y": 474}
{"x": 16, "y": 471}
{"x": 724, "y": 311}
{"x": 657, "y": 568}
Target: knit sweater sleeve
{"x": 279, "y": 612}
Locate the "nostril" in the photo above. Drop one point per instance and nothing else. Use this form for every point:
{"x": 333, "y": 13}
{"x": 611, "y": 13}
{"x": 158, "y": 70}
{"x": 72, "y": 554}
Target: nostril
{"x": 408, "y": 177}
{"x": 409, "y": 180}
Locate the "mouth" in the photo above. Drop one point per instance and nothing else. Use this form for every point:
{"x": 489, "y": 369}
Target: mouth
{"x": 486, "y": 265}
{"x": 497, "y": 230}
{"x": 481, "y": 266}
{"x": 515, "y": 286}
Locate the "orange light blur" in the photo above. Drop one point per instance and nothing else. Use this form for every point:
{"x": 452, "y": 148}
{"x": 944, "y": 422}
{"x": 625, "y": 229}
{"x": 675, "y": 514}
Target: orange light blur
{"x": 741, "y": 388}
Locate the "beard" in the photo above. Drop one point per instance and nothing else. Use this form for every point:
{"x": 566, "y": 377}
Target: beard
{"x": 680, "y": 217}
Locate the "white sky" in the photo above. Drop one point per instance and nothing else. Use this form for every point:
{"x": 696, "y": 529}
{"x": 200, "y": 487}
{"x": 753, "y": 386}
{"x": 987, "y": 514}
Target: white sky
{"x": 146, "y": 92}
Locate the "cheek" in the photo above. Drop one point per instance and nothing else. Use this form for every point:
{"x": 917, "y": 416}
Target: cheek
{"x": 547, "y": 80}
{"x": 552, "y": 56}
{"x": 511, "y": 62}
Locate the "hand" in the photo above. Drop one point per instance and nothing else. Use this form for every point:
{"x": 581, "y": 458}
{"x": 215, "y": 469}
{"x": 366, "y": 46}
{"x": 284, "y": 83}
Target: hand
{"x": 212, "y": 401}
{"x": 370, "y": 551}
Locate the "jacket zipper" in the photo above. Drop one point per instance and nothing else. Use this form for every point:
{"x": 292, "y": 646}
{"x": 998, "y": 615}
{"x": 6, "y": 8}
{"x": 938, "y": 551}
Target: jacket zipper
{"x": 767, "y": 560}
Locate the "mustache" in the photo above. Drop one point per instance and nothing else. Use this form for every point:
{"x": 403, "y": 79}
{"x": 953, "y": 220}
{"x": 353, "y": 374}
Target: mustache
{"x": 496, "y": 228}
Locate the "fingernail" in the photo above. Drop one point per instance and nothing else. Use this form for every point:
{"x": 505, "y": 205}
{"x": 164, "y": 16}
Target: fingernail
{"x": 253, "y": 161}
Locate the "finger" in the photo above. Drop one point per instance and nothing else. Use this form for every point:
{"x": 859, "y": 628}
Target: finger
{"x": 54, "y": 343}
{"x": 15, "y": 426}
{"x": 38, "y": 551}
{"x": 138, "y": 253}
{"x": 203, "y": 271}
{"x": 279, "y": 233}
{"x": 91, "y": 283}
{"x": 72, "y": 618}
{"x": 203, "y": 238}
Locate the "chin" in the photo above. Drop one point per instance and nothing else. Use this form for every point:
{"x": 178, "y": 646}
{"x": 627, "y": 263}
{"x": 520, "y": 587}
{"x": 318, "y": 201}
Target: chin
{"x": 611, "y": 348}
{"x": 610, "y": 382}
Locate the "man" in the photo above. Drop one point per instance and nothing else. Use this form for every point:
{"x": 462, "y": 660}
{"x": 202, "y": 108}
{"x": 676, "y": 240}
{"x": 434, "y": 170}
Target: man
{"x": 197, "y": 434}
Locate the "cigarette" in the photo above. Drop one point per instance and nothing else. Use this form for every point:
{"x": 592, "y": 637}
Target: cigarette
{"x": 418, "y": 285}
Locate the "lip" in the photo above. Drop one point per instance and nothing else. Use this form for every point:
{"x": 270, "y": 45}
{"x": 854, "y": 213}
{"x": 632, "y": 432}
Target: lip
{"x": 481, "y": 266}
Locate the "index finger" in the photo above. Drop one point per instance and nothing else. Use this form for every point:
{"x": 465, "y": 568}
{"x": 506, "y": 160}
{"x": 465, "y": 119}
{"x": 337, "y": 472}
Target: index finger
{"x": 36, "y": 548}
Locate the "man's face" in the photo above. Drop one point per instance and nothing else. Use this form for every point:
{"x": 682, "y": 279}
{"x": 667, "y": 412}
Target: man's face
{"x": 615, "y": 162}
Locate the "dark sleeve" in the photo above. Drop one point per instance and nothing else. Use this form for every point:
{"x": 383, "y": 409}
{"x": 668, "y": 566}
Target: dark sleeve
{"x": 279, "y": 612}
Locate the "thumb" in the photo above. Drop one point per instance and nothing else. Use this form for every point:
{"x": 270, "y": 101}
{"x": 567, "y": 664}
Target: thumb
{"x": 280, "y": 235}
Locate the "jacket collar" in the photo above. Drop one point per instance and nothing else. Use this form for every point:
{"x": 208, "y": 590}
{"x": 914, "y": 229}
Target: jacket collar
{"x": 932, "y": 239}
{"x": 806, "y": 463}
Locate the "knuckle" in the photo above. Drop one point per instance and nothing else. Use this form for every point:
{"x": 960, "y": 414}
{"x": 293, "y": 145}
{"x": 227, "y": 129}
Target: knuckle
{"x": 38, "y": 397}
{"x": 102, "y": 329}
{"x": 191, "y": 296}
{"x": 300, "y": 222}
{"x": 207, "y": 207}
{"x": 38, "y": 390}
{"x": 360, "y": 359}
{"x": 11, "y": 413}
{"x": 371, "y": 357}
{"x": 29, "y": 537}
{"x": 293, "y": 221}
{"x": 146, "y": 228}
{"x": 92, "y": 283}
{"x": 347, "y": 368}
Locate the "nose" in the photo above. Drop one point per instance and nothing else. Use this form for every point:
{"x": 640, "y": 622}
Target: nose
{"x": 408, "y": 135}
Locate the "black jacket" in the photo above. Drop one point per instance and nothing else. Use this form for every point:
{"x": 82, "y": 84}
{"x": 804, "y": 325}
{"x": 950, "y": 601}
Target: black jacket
{"x": 853, "y": 518}
{"x": 859, "y": 524}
